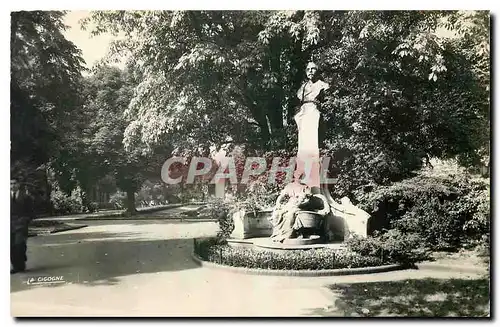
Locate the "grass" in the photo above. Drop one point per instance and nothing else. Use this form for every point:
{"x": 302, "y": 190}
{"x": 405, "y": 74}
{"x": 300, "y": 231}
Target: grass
{"x": 40, "y": 227}
{"x": 464, "y": 257}
{"x": 157, "y": 212}
{"x": 411, "y": 298}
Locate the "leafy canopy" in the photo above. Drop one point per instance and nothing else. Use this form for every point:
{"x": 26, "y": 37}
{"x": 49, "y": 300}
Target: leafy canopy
{"x": 401, "y": 90}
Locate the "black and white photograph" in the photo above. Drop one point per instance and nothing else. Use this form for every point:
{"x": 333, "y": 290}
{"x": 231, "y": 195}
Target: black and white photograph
{"x": 250, "y": 163}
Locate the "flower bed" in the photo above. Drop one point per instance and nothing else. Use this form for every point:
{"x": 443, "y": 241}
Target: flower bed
{"x": 314, "y": 259}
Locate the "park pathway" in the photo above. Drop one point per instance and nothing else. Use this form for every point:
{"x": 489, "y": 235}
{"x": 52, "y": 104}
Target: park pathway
{"x": 162, "y": 211}
{"x": 144, "y": 268}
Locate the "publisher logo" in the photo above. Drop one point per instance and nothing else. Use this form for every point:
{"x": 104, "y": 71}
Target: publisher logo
{"x": 43, "y": 280}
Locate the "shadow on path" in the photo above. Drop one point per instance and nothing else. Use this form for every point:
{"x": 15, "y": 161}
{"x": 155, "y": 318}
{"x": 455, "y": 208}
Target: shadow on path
{"x": 100, "y": 258}
{"x": 411, "y": 298}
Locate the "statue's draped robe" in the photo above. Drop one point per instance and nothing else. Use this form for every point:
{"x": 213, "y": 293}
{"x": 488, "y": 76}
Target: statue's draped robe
{"x": 284, "y": 219}
{"x": 307, "y": 120}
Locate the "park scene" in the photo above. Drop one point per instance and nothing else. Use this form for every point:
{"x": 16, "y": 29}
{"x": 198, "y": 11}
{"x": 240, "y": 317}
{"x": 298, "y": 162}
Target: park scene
{"x": 250, "y": 163}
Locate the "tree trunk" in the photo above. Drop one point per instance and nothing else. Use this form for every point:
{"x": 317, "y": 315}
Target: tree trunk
{"x": 275, "y": 110}
{"x": 181, "y": 192}
{"x": 131, "y": 210}
{"x": 299, "y": 61}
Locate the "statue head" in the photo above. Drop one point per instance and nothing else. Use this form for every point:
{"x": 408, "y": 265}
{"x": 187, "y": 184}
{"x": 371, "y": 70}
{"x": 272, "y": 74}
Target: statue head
{"x": 298, "y": 178}
{"x": 311, "y": 70}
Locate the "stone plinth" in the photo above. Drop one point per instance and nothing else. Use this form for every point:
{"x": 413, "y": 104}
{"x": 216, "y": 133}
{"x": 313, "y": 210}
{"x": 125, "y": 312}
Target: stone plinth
{"x": 251, "y": 224}
{"x": 288, "y": 244}
{"x": 345, "y": 219}
{"x": 265, "y": 243}
{"x": 354, "y": 219}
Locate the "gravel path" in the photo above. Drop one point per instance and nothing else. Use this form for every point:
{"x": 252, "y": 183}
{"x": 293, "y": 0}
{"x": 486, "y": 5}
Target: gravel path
{"x": 144, "y": 268}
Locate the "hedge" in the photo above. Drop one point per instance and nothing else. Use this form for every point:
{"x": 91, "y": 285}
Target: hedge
{"x": 314, "y": 259}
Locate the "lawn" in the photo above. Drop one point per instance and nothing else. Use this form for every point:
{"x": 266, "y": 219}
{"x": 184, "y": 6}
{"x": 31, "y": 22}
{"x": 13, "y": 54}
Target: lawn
{"x": 411, "y": 298}
{"x": 41, "y": 227}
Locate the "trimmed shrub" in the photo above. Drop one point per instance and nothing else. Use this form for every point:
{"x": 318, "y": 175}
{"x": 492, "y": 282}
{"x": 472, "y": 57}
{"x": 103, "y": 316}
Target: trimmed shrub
{"x": 318, "y": 259}
{"x": 392, "y": 246}
{"x": 444, "y": 211}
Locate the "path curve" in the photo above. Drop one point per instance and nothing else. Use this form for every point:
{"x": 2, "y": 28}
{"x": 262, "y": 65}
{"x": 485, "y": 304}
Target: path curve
{"x": 138, "y": 268}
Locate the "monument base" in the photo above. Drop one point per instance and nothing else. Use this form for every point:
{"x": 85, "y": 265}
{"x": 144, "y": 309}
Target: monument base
{"x": 313, "y": 239}
{"x": 265, "y": 243}
{"x": 251, "y": 224}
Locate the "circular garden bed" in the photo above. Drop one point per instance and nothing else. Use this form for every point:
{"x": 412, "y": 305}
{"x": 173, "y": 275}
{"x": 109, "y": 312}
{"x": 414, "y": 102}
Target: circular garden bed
{"x": 324, "y": 259}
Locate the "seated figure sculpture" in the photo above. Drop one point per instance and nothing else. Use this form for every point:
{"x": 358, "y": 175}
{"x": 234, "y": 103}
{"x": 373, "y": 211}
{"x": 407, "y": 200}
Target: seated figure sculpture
{"x": 294, "y": 206}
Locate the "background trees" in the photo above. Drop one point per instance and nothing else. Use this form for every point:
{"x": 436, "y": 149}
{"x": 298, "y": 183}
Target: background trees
{"x": 45, "y": 77}
{"x": 106, "y": 97}
{"x": 401, "y": 90}
{"x": 67, "y": 130}
{"x": 401, "y": 94}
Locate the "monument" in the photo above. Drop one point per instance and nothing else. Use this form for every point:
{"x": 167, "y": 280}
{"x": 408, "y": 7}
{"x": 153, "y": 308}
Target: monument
{"x": 309, "y": 209}
{"x": 305, "y": 213}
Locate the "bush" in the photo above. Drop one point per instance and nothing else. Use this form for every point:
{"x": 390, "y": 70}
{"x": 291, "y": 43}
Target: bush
{"x": 480, "y": 222}
{"x": 392, "y": 246}
{"x": 67, "y": 204}
{"x": 190, "y": 193}
{"x": 118, "y": 199}
{"x": 444, "y": 211}
{"x": 221, "y": 210}
{"x": 319, "y": 259}
{"x": 93, "y": 207}
{"x": 259, "y": 195}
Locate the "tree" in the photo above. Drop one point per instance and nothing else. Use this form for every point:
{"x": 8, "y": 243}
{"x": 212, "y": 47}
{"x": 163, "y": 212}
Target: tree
{"x": 210, "y": 66}
{"x": 217, "y": 77}
{"x": 473, "y": 31}
{"x": 401, "y": 93}
{"x": 44, "y": 90}
{"x": 107, "y": 95}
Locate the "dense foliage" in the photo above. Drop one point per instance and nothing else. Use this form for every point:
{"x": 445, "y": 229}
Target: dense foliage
{"x": 212, "y": 78}
{"x": 402, "y": 93}
{"x": 107, "y": 95}
{"x": 445, "y": 211}
{"x": 319, "y": 259}
{"x": 393, "y": 246}
{"x": 406, "y": 85}
{"x": 45, "y": 75}
{"x": 67, "y": 204}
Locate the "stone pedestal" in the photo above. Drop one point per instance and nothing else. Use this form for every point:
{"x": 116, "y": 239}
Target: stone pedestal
{"x": 266, "y": 244}
{"x": 220, "y": 189}
{"x": 353, "y": 219}
{"x": 313, "y": 239}
{"x": 250, "y": 224}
